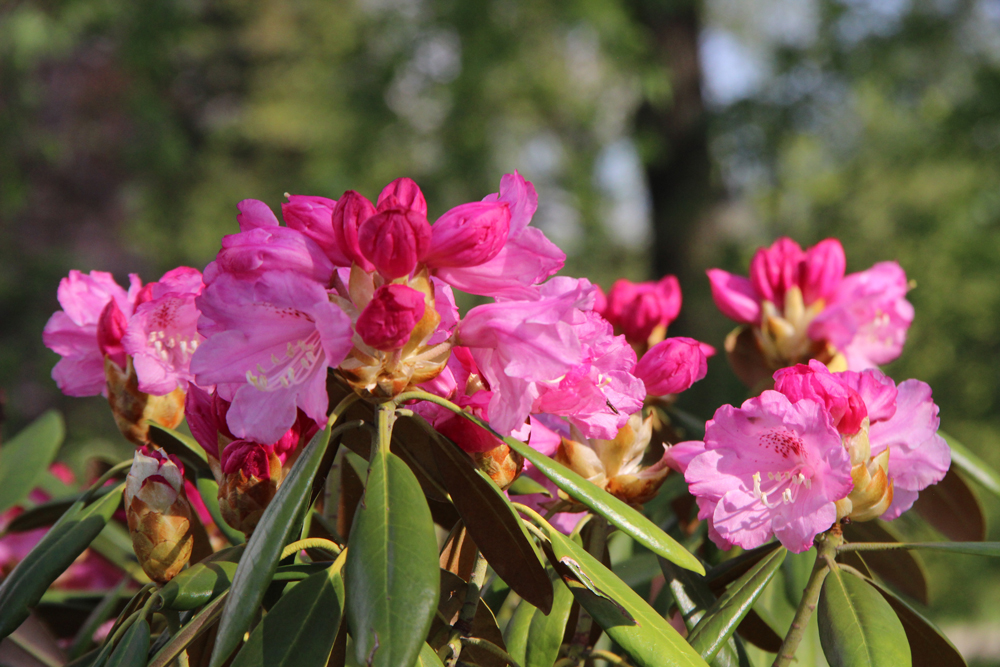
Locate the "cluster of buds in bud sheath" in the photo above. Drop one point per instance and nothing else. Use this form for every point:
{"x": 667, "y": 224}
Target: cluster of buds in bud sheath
{"x": 159, "y": 517}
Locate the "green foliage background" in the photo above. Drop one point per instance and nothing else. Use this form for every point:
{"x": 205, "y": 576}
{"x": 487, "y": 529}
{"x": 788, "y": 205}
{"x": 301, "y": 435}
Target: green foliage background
{"x": 128, "y": 131}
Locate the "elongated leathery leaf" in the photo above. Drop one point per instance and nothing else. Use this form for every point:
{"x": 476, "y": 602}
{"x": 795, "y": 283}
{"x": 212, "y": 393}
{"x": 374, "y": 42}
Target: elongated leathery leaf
{"x": 392, "y": 567}
{"x": 428, "y": 658}
{"x": 722, "y": 618}
{"x": 25, "y": 457}
{"x": 301, "y": 628}
{"x": 693, "y": 599}
{"x": 857, "y": 627}
{"x": 928, "y": 645}
{"x": 66, "y": 540}
{"x": 494, "y": 526}
{"x": 953, "y": 508}
{"x": 627, "y": 519}
{"x": 260, "y": 558}
{"x": 515, "y": 635}
{"x": 133, "y": 648}
{"x": 972, "y": 465}
{"x": 624, "y": 615}
{"x": 545, "y": 633}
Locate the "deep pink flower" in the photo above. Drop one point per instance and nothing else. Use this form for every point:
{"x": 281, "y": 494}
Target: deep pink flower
{"x": 313, "y": 216}
{"x": 72, "y": 331}
{"x": 845, "y": 405}
{"x": 395, "y": 240}
{"x": 469, "y": 235}
{"x": 111, "y": 327}
{"x": 271, "y": 341}
{"x": 768, "y": 468}
{"x": 639, "y": 309}
{"x": 403, "y": 193}
{"x": 673, "y": 365}
{"x": 526, "y": 260}
{"x": 389, "y": 318}
{"x": 351, "y": 210}
{"x": 162, "y": 334}
{"x": 735, "y": 296}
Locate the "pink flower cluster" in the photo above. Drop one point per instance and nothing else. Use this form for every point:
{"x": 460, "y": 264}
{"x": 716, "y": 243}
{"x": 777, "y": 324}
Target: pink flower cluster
{"x": 779, "y": 464}
{"x": 794, "y": 298}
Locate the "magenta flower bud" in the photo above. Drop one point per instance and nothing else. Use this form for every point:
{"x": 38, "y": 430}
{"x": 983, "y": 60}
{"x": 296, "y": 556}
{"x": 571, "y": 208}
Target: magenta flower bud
{"x": 822, "y": 271}
{"x": 394, "y": 241}
{"x": 773, "y": 270}
{"x": 250, "y": 457}
{"x": 403, "y": 193}
{"x": 673, "y": 365}
{"x": 470, "y": 234}
{"x": 390, "y": 317}
{"x": 110, "y": 330}
{"x": 313, "y": 216}
{"x": 638, "y": 309}
{"x": 816, "y": 382}
{"x": 734, "y": 296}
{"x": 351, "y": 210}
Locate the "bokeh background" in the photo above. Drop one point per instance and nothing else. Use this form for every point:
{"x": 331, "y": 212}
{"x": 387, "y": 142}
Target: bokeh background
{"x": 663, "y": 137}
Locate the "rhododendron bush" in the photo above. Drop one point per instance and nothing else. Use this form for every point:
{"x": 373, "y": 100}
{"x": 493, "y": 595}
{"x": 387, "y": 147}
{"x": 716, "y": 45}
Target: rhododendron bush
{"x": 374, "y": 477}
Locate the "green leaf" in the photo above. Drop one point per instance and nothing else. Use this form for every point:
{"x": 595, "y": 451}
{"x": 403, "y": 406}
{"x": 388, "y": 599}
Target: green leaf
{"x": 627, "y": 519}
{"x": 26, "y": 457}
{"x": 728, "y": 571}
{"x": 198, "y": 585}
{"x": 55, "y": 552}
{"x": 178, "y": 444}
{"x": 47, "y": 513}
{"x": 624, "y": 615}
{"x": 525, "y": 485}
{"x": 724, "y": 616}
{"x": 952, "y": 507}
{"x": 515, "y": 635}
{"x": 972, "y": 465}
{"x": 494, "y": 526}
{"x": 903, "y": 570}
{"x": 545, "y": 633}
{"x": 928, "y": 645}
{"x": 133, "y": 648}
{"x": 857, "y": 627}
{"x": 693, "y": 598}
{"x": 392, "y": 567}
{"x": 260, "y": 560}
{"x": 208, "y": 489}
{"x": 428, "y": 658}
{"x": 301, "y": 628}
{"x": 797, "y": 568}
{"x": 190, "y": 631}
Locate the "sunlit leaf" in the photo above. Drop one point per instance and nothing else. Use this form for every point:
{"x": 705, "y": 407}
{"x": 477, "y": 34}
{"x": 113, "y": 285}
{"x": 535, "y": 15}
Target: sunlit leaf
{"x": 545, "y": 633}
{"x": 301, "y": 628}
{"x": 392, "y": 567}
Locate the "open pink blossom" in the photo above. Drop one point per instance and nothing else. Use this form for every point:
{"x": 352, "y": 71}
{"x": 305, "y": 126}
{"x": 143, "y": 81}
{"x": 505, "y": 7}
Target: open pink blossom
{"x": 272, "y": 340}
{"x": 673, "y": 365}
{"x": 768, "y": 468}
{"x": 525, "y": 260}
{"x": 918, "y": 455}
{"x": 162, "y": 334}
{"x": 639, "y": 310}
{"x": 73, "y": 331}
{"x": 797, "y": 298}
{"x": 553, "y": 355}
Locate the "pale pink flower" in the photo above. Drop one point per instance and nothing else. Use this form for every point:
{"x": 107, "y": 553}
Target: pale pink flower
{"x": 162, "y": 334}
{"x": 553, "y": 355}
{"x": 272, "y": 340}
{"x": 768, "y": 468}
{"x": 73, "y": 331}
{"x": 673, "y": 365}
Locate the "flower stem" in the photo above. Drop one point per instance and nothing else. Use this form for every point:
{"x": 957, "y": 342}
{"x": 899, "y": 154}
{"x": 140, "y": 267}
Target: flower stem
{"x": 827, "y": 546}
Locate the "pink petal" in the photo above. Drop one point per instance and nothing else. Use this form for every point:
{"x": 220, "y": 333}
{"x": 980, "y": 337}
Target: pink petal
{"x": 735, "y": 296}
